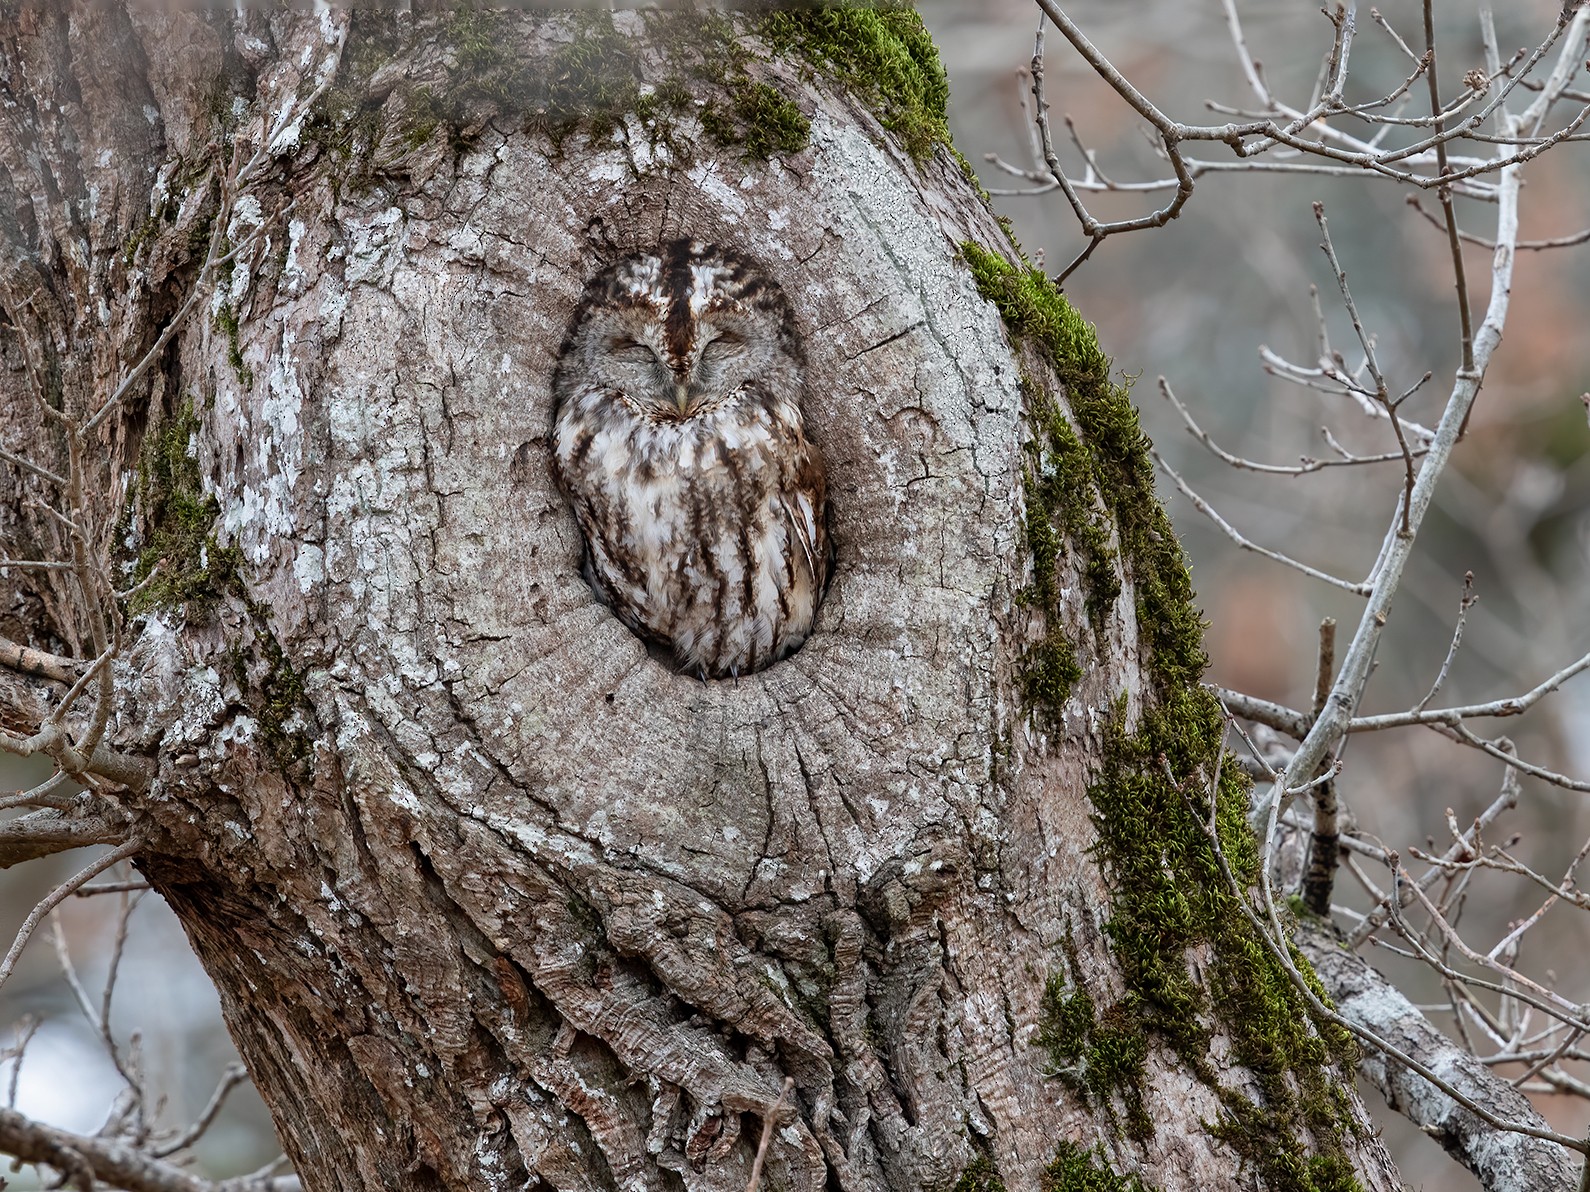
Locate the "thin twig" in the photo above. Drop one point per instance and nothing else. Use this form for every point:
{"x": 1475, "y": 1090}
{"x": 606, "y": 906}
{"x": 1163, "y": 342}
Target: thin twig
{"x": 1464, "y": 846}
{"x": 1355, "y": 670}
{"x": 1465, "y": 603}
{"x": 1270, "y": 937}
{"x": 56, "y": 896}
{"x": 1444, "y": 195}
{"x": 234, "y": 1075}
{"x": 26, "y": 1028}
{"x": 1203, "y": 506}
{"x": 1304, "y": 466}
{"x": 1324, "y": 848}
{"x": 768, "y": 1122}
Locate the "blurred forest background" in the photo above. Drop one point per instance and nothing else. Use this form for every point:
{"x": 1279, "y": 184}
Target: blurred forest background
{"x": 1193, "y": 301}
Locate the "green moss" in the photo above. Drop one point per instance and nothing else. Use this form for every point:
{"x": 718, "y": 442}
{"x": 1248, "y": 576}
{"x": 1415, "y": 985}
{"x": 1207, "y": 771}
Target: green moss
{"x": 178, "y": 520}
{"x": 1150, "y": 799}
{"x": 760, "y": 120}
{"x": 1117, "y": 454}
{"x": 1151, "y": 794}
{"x": 1065, "y": 1024}
{"x": 422, "y": 114}
{"x": 1077, "y": 1170}
{"x": 884, "y": 55}
{"x": 980, "y": 1176}
{"x": 1098, "y": 1056}
{"x": 1058, "y": 479}
{"x": 346, "y": 122}
{"x": 1047, "y": 669}
{"x": 226, "y": 321}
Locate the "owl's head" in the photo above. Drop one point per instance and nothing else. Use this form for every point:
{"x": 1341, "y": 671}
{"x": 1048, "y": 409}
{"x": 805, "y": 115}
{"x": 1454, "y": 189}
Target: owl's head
{"x": 680, "y": 329}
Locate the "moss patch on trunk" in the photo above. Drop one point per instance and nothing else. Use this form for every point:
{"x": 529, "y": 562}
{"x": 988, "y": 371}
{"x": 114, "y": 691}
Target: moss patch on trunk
{"x": 699, "y": 69}
{"x": 1158, "y": 785}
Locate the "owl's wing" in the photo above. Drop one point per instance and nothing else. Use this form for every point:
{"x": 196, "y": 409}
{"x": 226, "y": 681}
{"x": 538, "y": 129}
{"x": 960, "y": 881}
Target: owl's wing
{"x": 800, "y": 517}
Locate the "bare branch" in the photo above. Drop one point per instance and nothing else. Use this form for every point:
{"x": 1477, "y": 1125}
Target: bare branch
{"x": 1354, "y": 676}
{"x": 1381, "y": 394}
{"x": 1262, "y": 711}
{"x": 86, "y": 1159}
{"x": 1461, "y": 732}
{"x": 1169, "y": 132}
{"x": 1302, "y": 468}
{"x": 1465, "y": 603}
{"x": 111, "y": 888}
{"x": 234, "y": 1075}
{"x": 56, "y": 896}
{"x": 1203, "y": 506}
{"x": 1510, "y": 706}
{"x": 1273, "y": 939}
{"x": 36, "y": 662}
{"x": 28, "y": 466}
{"x": 1464, "y": 846}
{"x": 1324, "y": 849}
{"x": 1505, "y": 1162}
{"x": 1444, "y": 194}
{"x": 1514, "y": 985}
{"x": 1580, "y": 237}
{"x": 48, "y": 832}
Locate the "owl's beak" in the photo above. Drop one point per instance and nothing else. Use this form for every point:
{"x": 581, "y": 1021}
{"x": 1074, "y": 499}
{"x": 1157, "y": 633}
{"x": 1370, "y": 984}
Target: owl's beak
{"x": 682, "y": 399}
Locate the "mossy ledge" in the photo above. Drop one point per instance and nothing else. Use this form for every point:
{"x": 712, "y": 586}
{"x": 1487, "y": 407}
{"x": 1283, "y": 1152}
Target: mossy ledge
{"x": 595, "y": 83}
{"x": 1150, "y": 799}
{"x": 1117, "y": 452}
{"x": 883, "y": 54}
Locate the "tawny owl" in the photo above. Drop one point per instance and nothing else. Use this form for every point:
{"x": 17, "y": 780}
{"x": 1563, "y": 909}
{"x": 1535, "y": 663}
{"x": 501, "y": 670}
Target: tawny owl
{"x": 678, "y": 439}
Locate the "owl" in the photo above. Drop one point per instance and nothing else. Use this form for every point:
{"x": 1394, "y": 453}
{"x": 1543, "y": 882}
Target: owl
{"x": 678, "y": 440}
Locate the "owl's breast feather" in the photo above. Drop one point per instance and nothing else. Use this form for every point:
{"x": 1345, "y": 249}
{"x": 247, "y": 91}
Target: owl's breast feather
{"x": 704, "y": 532}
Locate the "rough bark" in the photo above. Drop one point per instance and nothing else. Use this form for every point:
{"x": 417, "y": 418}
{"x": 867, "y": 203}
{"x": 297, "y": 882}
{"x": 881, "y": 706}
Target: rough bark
{"x": 492, "y": 898}
{"x": 1502, "y": 1162}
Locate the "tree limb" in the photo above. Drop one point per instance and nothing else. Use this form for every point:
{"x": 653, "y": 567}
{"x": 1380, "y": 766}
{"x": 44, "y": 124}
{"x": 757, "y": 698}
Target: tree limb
{"x": 116, "y": 1163}
{"x": 47, "y": 832}
{"x": 1503, "y": 1161}
{"x": 35, "y": 662}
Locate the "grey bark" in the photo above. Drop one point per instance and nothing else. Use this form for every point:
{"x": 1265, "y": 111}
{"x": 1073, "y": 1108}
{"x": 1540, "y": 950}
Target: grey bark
{"x": 1503, "y": 1162}
{"x": 497, "y": 900}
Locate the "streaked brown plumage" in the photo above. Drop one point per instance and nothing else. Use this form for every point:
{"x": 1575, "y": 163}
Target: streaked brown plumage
{"x": 678, "y": 439}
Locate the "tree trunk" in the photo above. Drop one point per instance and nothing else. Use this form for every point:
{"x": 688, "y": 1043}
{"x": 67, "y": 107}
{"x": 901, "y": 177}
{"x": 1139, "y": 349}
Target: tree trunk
{"x": 492, "y": 896}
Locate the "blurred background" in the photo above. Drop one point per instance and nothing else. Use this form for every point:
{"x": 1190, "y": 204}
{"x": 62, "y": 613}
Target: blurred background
{"x": 1193, "y": 301}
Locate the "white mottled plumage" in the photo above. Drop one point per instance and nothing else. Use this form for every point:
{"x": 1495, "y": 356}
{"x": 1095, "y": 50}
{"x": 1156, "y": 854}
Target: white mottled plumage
{"x": 678, "y": 439}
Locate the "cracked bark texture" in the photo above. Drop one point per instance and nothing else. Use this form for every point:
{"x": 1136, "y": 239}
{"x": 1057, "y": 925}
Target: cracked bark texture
{"x": 497, "y": 900}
